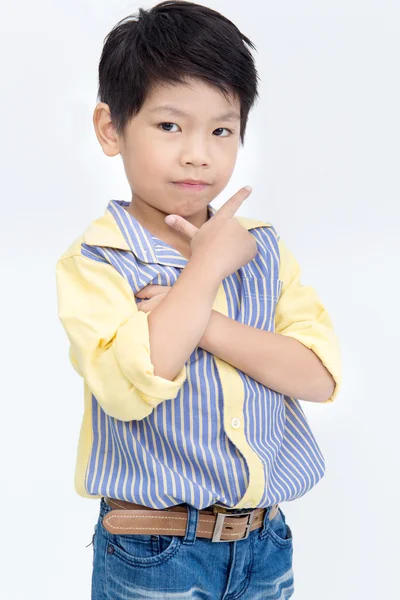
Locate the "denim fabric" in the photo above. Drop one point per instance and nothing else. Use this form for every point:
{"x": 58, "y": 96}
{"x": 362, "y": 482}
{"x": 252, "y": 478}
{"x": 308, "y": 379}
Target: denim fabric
{"x": 127, "y": 567}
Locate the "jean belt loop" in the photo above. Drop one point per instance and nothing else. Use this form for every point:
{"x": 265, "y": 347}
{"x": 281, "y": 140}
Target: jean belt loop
{"x": 191, "y": 528}
{"x": 266, "y": 522}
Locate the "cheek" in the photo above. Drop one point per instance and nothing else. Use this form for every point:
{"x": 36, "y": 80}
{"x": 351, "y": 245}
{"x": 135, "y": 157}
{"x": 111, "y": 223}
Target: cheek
{"x": 152, "y": 169}
{"x": 146, "y": 159}
{"x": 226, "y": 161}
{"x": 230, "y": 160}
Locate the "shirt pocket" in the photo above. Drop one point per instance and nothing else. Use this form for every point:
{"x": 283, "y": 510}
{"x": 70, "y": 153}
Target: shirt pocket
{"x": 258, "y": 301}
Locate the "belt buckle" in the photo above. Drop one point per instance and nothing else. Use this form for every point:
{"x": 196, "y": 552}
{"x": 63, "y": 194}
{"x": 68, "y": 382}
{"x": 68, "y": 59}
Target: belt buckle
{"x": 216, "y": 537}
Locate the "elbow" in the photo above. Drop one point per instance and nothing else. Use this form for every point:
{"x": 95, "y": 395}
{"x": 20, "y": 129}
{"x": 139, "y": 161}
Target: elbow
{"x": 327, "y": 389}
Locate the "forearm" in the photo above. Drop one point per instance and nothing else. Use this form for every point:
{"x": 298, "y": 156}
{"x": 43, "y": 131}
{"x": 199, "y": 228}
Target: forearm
{"x": 177, "y": 324}
{"x": 277, "y": 361}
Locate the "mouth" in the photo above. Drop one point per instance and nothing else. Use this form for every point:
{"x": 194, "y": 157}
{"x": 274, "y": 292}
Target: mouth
{"x": 188, "y": 185}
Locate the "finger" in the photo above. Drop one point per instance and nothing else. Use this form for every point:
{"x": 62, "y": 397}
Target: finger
{"x": 152, "y": 290}
{"x": 231, "y": 206}
{"x": 147, "y": 305}
{"x": 142, "y": 293}
{"x": 180, "y": 224}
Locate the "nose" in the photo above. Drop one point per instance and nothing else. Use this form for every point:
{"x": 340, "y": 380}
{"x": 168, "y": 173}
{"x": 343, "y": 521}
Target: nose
{"x": 195, "y": 150}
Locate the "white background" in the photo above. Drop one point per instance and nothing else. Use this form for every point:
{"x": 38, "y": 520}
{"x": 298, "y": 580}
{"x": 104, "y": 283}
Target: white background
{"x": 322, "y": 154}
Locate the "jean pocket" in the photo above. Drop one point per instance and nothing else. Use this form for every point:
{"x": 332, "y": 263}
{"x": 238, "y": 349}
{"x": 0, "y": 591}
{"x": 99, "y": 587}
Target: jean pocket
{"x": 141, "y": 549}
{"x": 279, "y": 531}
{"x": 143, "y": 546}
{"x": 134, "y": 551}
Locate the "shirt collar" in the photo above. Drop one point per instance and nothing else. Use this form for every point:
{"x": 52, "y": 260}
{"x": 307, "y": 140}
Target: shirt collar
{"x": 120, "y": 230}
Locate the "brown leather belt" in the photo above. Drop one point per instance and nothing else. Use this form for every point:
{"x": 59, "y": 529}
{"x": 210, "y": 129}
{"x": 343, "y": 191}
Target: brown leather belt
{"x": 215, "y": 522}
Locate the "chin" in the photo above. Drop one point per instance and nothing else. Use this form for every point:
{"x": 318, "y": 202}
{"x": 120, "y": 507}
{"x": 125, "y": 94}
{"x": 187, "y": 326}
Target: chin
{"x": 190, "y": 212}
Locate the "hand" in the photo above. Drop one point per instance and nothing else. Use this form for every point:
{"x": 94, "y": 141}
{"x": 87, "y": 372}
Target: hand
{"x": 221, "y": 241}
{"x": 155, "y": 295}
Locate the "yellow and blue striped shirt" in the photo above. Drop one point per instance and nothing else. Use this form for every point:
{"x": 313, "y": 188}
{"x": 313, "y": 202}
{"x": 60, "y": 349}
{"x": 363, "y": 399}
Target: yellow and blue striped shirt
{"x": 214, "y": 434}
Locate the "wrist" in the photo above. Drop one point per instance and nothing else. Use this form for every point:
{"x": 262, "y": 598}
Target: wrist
{"x": 205, "y": 270}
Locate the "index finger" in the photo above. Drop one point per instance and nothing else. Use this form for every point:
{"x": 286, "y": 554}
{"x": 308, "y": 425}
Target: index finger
{"x": 231, "y": 206}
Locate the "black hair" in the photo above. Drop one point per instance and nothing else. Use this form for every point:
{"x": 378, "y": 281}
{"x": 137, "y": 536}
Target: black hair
{"x": 169, "y": 43}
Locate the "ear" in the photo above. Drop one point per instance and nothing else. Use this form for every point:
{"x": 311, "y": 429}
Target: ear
{"x": 105, "y": 130}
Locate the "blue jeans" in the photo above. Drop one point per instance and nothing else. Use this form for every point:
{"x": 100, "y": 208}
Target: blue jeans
{"x": 128, "y": 567}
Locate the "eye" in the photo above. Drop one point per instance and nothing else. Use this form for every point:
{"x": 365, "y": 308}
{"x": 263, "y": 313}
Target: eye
{"x": 219, "y": 129}
{"x": 166, "y": 124}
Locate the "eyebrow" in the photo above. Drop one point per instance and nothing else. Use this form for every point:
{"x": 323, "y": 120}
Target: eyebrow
{"x": 228, "y": 116}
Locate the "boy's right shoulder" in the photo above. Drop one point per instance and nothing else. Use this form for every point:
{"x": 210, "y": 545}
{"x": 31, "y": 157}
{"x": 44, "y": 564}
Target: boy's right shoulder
{"x": 102, "y": 232}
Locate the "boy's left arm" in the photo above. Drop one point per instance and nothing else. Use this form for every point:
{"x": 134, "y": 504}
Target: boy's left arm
{"x": 302, "y": 359}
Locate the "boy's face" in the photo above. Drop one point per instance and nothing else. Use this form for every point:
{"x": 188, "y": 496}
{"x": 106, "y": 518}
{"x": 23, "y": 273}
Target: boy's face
{"x": 159, "y": 148}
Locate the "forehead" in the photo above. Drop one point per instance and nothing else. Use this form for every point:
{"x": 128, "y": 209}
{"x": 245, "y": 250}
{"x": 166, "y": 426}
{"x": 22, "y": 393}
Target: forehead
{"x": 196, "y": 97}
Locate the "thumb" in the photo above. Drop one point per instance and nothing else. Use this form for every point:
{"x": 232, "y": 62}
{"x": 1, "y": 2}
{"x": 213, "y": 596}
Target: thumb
{"x": 180, "y": 224}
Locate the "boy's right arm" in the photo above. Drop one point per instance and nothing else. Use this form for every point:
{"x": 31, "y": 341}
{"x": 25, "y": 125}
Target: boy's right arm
{"x": 180, "y": 320}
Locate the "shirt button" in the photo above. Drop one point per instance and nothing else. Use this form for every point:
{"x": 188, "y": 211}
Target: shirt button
{"x": 235, "y": 423}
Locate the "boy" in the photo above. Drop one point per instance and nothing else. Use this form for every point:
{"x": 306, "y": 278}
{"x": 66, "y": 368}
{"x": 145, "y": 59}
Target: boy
{"x": 191, "y": 330}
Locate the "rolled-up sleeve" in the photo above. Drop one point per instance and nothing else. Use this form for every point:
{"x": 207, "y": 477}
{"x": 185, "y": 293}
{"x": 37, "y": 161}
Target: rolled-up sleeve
{"x": 109, "y": 339}
{"x": 301, "y": 315}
